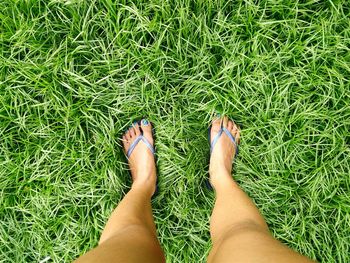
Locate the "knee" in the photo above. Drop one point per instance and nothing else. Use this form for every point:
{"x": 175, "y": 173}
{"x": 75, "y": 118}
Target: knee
{"x": 240, "y": 234}
{"x": 130, "y": 231}
{"x": 243, "y": 228}
{"x": 247, "y": 226}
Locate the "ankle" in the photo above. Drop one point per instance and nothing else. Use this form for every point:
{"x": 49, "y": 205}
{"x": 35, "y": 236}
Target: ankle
{"x": 219, "y": 170}
{"x": 220, "y": 178}
{"x": 147, "y": 184}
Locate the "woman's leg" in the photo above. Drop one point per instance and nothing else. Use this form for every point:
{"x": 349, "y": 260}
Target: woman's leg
{"x": 239, "y": 233}
{"x": 130, "y": 233}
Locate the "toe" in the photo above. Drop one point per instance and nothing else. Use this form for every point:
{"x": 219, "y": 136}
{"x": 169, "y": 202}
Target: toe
{"x": 216, "y": 123}
{"x": 127, "y": 135}
{"x": 238, "y": 135}
{"x": 235, "y": 132}
{"x": 215, "y": 126}
{"x": 225, "y": 122}
{"x": 146, "y": 128}
{"x": 132, "y": 132}
{"x": 229, "y": 125}
{"x": 125, "y": 143}
{"x": 137, "y": 128}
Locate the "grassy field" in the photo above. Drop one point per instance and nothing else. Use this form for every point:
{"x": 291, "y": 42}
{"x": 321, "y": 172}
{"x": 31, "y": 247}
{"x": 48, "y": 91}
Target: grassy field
{"x": 74, "y": 74}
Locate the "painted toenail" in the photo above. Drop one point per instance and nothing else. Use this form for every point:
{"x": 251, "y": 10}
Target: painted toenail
{"x": 145, "y": 122}
{"x": 217, "y": 115}
{"x": 134, "y": 123}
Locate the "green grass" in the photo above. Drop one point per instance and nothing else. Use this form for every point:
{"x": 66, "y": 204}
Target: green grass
{"x": 74, "y": 74}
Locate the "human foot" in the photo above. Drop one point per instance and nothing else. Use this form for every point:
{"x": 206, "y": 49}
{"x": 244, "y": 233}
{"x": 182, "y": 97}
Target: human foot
{"x": 141, "y": 160}
{"x": 224, "y": 150}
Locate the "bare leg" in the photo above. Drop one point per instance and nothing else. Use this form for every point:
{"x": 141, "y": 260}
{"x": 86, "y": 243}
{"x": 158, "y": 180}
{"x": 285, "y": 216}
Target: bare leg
{"x": 238, "y": 231}
{"x": 130, "y": 233}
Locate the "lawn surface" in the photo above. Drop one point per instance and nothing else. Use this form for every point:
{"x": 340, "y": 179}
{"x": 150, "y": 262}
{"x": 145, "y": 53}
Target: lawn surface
{"x": 74, "y": 74}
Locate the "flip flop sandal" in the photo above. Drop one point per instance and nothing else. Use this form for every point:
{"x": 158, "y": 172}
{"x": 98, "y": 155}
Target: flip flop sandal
{"x": 147, "y": 143}
{"x": 213, "y": 143}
